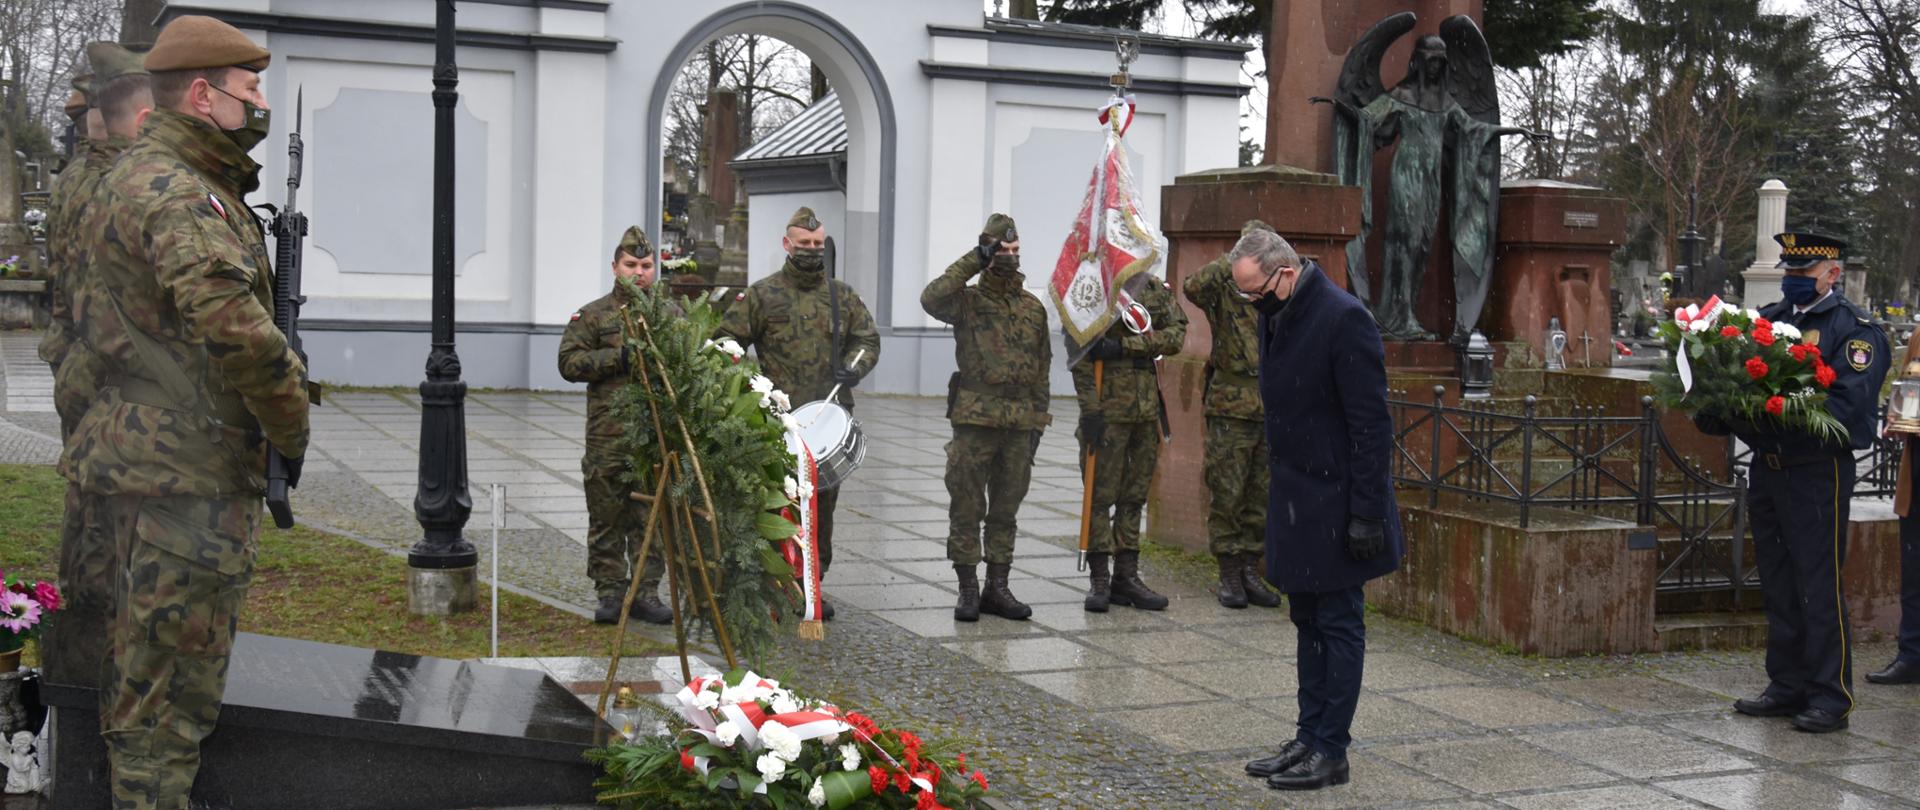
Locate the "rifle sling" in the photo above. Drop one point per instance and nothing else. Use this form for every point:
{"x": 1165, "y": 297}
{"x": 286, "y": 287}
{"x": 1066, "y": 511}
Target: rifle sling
{"x": 174, "y": 391}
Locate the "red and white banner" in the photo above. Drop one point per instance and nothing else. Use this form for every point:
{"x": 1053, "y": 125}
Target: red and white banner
{"x": 1112, "y": 242}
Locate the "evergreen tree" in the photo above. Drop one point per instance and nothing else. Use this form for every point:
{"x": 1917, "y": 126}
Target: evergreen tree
{"x": 1522, "y": 32}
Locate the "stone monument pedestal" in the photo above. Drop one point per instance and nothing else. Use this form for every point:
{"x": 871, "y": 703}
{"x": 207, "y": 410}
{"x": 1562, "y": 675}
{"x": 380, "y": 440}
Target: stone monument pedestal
{"x": 1554, "y": 260}
{"x": 307, "y": 725}
{"x": 1201, "y": 214}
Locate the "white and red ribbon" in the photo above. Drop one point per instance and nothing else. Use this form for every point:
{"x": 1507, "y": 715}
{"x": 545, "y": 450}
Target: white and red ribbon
{"x": 808, "y": 539}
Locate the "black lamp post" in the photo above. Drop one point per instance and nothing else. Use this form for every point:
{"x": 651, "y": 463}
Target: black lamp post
{"x": 442, "y": 565}
{"x": 1687, "y": 281}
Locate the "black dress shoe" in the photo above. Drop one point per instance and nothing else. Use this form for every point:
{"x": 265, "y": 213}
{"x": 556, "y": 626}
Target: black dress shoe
{"x": 1819, "y": 721}
{"x": 1897, "y": 672}
{"x": 1313, "y": 772}
{"x": 1292, "y": 752}
{"x": 1767, "y": 706}
{"x": 826, "y": 610}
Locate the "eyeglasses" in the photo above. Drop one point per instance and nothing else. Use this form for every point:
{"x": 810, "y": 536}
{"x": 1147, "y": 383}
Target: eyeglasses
{"x": 1255, "y": 295}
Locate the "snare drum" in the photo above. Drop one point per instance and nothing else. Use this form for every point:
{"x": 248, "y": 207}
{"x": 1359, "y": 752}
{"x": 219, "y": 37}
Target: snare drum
{"x": 834, "y": 436}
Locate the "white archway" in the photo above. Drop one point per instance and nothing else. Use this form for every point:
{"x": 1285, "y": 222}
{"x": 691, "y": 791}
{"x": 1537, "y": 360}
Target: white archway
{"x": 872, "y": 131}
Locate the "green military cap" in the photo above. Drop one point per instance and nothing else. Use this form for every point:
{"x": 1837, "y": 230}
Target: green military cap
{"x": 1256, "y": 225}
{"x": 83, "y": 84}
{"x": 76, "y": 105}
{"x": 804, "y": 220}
{"x": 111, "y": 60}
{"x": 194, "y": 42}
{"x": 1000, "y": 227}
{"x": 634, "y": 243}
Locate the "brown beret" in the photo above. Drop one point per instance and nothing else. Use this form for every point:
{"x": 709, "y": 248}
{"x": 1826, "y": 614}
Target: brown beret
{"x": 804, "y": 220}
{"x": 634, "y": 243}
{"x": 193, "y": 42}
{"x": 76, "y": 105}
{"x": 111, "y": 60}
{"x": 1000, "y": 227}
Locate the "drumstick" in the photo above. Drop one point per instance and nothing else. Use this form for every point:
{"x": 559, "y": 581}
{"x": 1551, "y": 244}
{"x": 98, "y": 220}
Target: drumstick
{"x": 850, "y": 363}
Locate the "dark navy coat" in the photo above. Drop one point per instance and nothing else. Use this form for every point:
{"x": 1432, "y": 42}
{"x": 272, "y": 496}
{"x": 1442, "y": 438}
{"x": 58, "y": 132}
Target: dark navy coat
{"x": 1857, "y": 350}
{"x": 1323, "y": 379}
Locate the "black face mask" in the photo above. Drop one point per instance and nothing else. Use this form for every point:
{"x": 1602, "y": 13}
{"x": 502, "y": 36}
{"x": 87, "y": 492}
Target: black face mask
{"x": 1268, "y": 304}
{"x": 809, "y": 260}
{"x": 1005, "y": 263}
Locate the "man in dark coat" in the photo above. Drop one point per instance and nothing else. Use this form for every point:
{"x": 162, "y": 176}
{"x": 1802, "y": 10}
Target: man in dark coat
{"x": 1332, "y": 523}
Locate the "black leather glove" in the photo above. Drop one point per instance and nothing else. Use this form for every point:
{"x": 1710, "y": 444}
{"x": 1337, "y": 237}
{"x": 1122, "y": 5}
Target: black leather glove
{"x": 1365, "y": 538}
{"x": 294, "y": 466}
{"x": 1106, "y": 348}
{"x": 1093, "y": 428}
{"x": 846, "y": 376}
{"x": 985, "y": 250}
{"x": 1711, "y": 425}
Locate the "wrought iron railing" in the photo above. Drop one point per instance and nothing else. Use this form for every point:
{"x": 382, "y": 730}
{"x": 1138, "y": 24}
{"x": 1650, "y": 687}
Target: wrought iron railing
{"x": 1876, "y": 469}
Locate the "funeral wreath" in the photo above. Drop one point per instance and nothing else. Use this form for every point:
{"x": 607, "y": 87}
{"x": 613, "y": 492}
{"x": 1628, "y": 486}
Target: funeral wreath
{"x": 1733, "y": 365}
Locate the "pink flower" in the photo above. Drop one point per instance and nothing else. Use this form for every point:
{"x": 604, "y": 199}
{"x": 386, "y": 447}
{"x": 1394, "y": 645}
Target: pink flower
{"x": 18, "y": 612}
{"x": 47, "y": 595}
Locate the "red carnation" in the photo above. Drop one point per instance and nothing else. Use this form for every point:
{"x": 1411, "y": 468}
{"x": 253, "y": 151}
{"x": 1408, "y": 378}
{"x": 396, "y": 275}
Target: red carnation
{"x": 910, "y": 740}
{"x": 47, "y": 595}
{"x": 1763, "y": 337}
{"x": 878, "y": 777}
{"x": 1812, "y": 349}
{"x": 926, "y": 801}
{"x": 1799, "y": 352}
{"x": 1756, "y": 367}
{"x": 1729, "y": 331}
{"x": 1776, "y": 405}
{"x": 981, "y": 777}
{"x": 1823, "y": 374}
{"x": 686, "y": 760}
{"x": 902, "y": 781}
{"x": 1763, "y": 323}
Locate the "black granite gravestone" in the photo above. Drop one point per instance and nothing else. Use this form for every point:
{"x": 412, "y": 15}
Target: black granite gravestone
{"x": 310, "y": 725}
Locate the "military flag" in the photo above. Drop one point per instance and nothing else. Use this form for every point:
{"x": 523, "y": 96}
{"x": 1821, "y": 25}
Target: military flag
{"x": 1112, "y": 246}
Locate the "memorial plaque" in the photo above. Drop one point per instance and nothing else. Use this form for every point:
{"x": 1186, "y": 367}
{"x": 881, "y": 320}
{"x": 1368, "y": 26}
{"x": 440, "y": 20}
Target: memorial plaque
{"x": 1581, "y": 219}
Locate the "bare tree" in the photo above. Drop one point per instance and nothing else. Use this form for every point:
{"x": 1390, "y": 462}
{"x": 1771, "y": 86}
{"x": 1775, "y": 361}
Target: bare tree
{"x": 42, "y": 41}
{"x": 773, "y": 79}
{"x": 1875, "y": 42}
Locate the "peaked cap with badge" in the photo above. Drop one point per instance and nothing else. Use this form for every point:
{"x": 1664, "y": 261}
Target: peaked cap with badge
{"x": 804, "y": 219}
{"x": 194, "y": 42}
{"x": 1800, "y": 249}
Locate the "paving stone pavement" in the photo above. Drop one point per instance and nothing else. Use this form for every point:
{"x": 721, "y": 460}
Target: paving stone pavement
{"x": 1134, "y": 709}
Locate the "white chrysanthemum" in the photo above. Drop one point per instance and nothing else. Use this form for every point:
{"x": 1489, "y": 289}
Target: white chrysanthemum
{"x": 1786, "y": 330}
{"x": 760, "y": 384}
{"x": 849, "y": 757}
{"x": 784, "y": 703}
{"x": 780, "y": 740}
{"x": 781, "y": 401}
{"x": 1753, "y": 314}
{"x": 731, "y": 347}
{"x": 791, "y": 487}
{"x": 791, "y": 424}
{"x": 728, "y": 732}
{"x": 706, "y": 699}
{"x": 817, "y": 795}
{"x": 771, "y": 767}
{"x": 1699, "y": 325}
{"x": 1727, "y": 308}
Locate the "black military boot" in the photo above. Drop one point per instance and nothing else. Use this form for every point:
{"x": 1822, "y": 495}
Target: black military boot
{"x": 648, "y": 608}
{"x": 998, "y": 600}
{"x": 1128, "y": 590}
{"x": 1233, "y": 588}
{"x": 609, "y": 610}
{"x": 1100, "y": 582}
{"x": 1255, "y": 583}
{"x": 968, "y": 609}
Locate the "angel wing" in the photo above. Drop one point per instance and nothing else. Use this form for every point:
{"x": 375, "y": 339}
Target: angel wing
{"x": 1360, "y": 73}
{"x": 1470, "y": 77}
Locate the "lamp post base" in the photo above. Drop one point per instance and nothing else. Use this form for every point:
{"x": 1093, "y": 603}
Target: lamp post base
{"x": 442, "y": 591}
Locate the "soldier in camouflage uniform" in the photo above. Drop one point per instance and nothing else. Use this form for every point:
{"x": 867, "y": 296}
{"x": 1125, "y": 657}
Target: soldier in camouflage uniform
{"x": 1236, "y": 434}
{"x": 91, "y": 158}
{"x": 76, "y": 637}
{"x": 788, "y": 317}
{"x": 997, "y": 402}
{"x": 593, "y": 351}
{"x": 176, "y": 300}
{"x": 1121, "y": 422}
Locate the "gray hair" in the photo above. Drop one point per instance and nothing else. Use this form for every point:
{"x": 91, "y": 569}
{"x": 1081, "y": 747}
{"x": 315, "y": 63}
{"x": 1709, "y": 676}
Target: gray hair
{"x": 1266, "y": 247}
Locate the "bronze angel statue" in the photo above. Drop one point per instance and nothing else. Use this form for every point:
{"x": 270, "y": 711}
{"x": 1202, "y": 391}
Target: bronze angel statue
{"x": 1446, "y": 116}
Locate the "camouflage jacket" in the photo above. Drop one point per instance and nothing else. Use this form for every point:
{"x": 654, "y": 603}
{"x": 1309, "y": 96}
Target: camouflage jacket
{"x": 1001, "y": 343}
{"x": 786, "y": 318}
{"x": 1130, "y": 391}
{"x": 1233, "y": 365}
{"x": 177, "y": 302}
{"x": 590, "y": 353}
{"x": 67, "y": 202}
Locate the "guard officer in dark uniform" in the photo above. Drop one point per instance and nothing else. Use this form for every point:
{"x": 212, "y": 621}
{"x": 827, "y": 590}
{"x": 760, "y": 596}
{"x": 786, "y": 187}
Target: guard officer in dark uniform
{"x": 1905, "y": 668}
{"x": 1800, "y": 490}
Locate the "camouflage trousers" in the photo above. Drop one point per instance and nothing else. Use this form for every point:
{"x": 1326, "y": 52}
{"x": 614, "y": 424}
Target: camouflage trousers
{"x": 988, "y": 472}
{"x": 74, "y": 644}
{"x": 183, "y": 567}
{"x": 824, "y": 502}
{"x": 1126, "y": 456}
{"x": 615, "y": 526}
{"x": 1237, "y": 480}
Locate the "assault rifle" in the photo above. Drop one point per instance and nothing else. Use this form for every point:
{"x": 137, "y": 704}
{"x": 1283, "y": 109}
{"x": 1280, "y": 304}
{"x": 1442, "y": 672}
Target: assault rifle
{"x": 289, "y": 229}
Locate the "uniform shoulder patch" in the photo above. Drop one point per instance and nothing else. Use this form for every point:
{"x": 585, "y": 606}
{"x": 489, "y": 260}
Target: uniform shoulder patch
{"x": 1859, "y": 354}
{"x": 576, "y": 316}
{"x": 217, "y": 207}
{"x": 742, "y": 296}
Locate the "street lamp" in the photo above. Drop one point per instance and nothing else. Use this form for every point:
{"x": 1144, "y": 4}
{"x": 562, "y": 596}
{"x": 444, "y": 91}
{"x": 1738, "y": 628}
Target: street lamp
{"x": 442, "y": 566}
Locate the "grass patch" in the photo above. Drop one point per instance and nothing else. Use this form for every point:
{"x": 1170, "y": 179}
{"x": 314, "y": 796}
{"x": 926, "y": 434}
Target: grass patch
{"x": 313, "y": 585}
